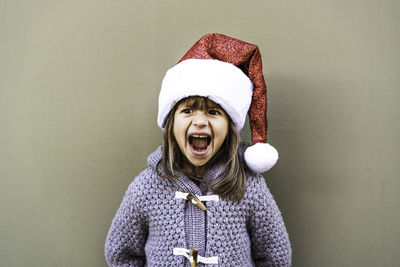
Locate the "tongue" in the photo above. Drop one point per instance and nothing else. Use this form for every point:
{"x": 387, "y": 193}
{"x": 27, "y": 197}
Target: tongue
{"x": 199, "y": 143}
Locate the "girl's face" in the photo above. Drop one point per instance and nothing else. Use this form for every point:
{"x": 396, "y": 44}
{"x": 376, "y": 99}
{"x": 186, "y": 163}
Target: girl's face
{"x": 200, "y": 132}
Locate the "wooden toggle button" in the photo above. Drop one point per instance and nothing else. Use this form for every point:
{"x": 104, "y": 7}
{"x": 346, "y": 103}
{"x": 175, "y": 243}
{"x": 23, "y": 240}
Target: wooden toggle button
{"x": 193, "y": 254}
{"x": 197, "y": 200}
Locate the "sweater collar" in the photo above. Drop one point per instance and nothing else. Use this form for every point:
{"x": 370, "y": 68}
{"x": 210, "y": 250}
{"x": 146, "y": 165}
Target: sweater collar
{"x": 182, "y": 181}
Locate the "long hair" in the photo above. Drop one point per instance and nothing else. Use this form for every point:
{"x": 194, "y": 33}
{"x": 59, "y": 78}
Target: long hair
{"x": 232, "y": 184}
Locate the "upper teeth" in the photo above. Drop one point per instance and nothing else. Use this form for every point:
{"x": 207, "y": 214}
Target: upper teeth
{"x": 200, "y": 135}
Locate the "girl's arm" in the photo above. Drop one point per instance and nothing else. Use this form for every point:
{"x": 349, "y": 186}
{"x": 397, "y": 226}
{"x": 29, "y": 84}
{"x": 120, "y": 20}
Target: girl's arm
{"x": 127, "y": 235}
{"x": 269, "y": 239}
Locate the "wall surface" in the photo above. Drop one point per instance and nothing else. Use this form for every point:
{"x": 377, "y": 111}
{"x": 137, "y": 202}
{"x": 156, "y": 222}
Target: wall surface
{"x": 79, "y": 82}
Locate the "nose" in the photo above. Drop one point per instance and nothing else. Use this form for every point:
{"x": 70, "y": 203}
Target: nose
{"x": 200, "y": 119}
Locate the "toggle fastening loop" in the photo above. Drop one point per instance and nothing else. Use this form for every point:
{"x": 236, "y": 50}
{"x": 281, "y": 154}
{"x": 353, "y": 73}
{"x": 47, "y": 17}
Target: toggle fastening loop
{"x": 197, "y": 200}
{"x": 189, "y": 254}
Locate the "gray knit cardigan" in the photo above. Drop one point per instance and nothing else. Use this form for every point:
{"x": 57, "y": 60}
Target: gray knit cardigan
{"x": 156, "y": 226}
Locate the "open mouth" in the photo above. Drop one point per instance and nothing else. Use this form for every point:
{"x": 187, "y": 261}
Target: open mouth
{"x": 199, "y": 142}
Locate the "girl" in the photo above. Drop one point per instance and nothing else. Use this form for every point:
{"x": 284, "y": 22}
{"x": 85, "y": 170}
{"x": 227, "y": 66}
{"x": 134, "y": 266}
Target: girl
{"x": 202, "y": 201}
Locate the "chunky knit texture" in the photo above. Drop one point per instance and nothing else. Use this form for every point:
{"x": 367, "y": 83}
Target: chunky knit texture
{"x": 151, "y": 222}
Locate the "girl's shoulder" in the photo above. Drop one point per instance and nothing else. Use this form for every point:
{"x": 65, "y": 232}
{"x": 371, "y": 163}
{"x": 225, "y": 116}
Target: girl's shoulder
{"x": 254, "y": 179}
{"x": 144, "y": 181}
{"x": 256, "y": 185}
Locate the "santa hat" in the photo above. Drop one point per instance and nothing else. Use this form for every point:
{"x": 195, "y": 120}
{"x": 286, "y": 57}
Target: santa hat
{"x": 229, "y": 72}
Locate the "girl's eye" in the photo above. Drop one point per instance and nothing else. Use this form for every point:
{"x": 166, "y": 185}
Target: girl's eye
{"x": 214, "y": 112}
{"x": 187, "y": 110}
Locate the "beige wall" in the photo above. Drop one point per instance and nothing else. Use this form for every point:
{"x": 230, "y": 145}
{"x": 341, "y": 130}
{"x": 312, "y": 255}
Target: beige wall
{"x": 79, "y": 82}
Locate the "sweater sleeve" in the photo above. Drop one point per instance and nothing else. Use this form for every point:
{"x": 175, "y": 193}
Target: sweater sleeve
{"x": 269, "y": 239}
{"x": 128, "y": 232}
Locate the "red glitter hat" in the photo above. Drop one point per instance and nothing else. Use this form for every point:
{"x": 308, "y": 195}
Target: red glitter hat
{"x": 214, "y": 68}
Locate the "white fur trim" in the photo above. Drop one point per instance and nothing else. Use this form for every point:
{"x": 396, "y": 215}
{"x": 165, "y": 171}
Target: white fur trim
{"x": 261, "y": 157}
{"x": 220, "y": 81}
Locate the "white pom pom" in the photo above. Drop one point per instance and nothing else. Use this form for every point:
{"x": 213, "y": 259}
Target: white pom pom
{"x": 261, "y": 157}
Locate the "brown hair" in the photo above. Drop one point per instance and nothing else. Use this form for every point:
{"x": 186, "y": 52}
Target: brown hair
{"x": 232, "y": 184}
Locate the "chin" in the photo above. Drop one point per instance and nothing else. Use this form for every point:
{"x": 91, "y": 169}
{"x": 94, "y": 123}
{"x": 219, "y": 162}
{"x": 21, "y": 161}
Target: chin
{"x": 198, "y": 163}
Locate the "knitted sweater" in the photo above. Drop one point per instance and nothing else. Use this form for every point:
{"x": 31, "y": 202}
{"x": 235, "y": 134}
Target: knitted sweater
{"x": 156, "y": 226}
